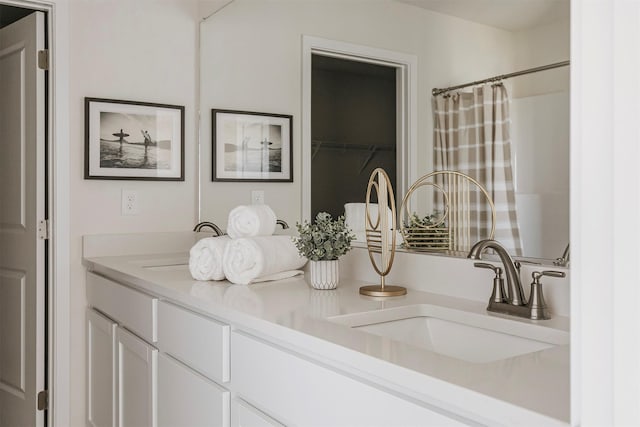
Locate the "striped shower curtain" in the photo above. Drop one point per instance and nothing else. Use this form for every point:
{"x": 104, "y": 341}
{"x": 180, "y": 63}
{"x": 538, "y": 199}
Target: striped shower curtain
{"x": 471, "y": 135}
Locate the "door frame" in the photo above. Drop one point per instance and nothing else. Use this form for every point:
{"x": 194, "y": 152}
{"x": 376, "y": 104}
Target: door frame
{"x": 57, "y": 18}
{"x": 407, "y": 106}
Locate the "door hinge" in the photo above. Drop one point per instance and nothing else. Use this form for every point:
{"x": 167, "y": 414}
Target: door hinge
{"x": 43, "y": 59}
{"x": 43, "y": 400}
{"x": 44, "y": 228}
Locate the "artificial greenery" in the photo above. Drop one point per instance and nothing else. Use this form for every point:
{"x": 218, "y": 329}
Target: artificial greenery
{"x": 424, "y": 222}
{"x": 325, "y": 239}
{"x": 426, "y": 232}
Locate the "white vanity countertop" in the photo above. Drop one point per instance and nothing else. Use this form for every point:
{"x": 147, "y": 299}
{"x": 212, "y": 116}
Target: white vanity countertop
{"x": 531, "y": 389}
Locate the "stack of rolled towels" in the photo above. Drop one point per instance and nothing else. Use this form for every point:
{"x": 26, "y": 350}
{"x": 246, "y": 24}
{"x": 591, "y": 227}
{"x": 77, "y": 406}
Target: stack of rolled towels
{"x": 249, "y": 252}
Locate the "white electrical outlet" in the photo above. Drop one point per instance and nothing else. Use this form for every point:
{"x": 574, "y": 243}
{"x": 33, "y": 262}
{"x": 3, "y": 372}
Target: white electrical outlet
{"x": 129, "y": 202}
{"x": 257, "y": 197}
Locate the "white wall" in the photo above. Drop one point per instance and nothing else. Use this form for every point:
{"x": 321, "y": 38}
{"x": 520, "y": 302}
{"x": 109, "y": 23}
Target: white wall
{"x": 128, "y": 50}
{"x": 540, "y": 139}
{"x": 542, "y": 45}
{"x": 251, "y": 56}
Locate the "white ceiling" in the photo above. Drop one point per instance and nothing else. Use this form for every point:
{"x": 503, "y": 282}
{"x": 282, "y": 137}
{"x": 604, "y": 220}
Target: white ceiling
{"x": 511, "y": 15}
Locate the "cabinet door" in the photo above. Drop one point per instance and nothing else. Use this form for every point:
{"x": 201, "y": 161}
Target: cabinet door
{"x": 245, "y": 415}
{"x": 137, "y": 367}
{"x": 187, "y": 399}
{"x": 101, "y": 369}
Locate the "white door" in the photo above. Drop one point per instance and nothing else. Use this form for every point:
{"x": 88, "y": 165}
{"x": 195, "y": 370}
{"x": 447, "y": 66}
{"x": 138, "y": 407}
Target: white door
{"x": 22, "y": 184}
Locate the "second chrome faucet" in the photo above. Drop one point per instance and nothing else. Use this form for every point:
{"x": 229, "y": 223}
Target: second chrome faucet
{"x": 513, "y": 301}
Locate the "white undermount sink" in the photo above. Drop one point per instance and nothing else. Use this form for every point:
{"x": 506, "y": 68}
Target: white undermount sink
{"x": 473, "y": 337}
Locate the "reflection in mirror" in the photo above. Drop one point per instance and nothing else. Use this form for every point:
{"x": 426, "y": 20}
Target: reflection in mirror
{"x": 353, "y": 129}
{"x": 245, "y": 72}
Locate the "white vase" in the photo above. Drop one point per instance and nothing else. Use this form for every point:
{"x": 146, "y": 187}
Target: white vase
{"x": 324, "y": 274}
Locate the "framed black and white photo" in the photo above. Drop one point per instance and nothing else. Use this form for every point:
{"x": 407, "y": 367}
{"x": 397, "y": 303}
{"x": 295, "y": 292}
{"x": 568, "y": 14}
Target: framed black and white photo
{"x": 133, "y": 140}
{"x": 250, "y": 146}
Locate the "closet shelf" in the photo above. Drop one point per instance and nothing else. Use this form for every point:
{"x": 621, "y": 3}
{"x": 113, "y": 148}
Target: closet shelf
{"x": 369, "y": 149}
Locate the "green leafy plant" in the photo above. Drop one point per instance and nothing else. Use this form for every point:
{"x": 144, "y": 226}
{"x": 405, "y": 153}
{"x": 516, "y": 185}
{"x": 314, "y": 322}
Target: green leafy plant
{"x": 427, "y": 221}
{"x": 325, "y": 239}
{"x": 427, "y": 232}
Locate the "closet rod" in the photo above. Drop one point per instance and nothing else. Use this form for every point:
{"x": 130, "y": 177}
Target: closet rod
{"x": 436, "y": 91}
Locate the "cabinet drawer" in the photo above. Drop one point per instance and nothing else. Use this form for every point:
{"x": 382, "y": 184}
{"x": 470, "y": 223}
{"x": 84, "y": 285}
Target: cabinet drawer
{"x": 134, "y": 310}
{"x": 186, "y": 398}
{"x": 298, "y": 391}
{"x": 245, "y": 415}
{"x": 197, "y": 341}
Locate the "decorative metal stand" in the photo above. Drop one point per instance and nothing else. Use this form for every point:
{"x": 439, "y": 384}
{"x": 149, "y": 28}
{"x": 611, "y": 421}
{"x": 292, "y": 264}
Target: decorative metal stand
{"x": 381, "y": 236}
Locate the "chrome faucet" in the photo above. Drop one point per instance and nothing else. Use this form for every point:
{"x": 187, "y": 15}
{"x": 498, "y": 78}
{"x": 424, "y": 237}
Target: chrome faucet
{"x": 564, "y": 259}
{"x": 211, "y": 225}
{"x": 219, "y": 232}
{"x": 515, "y": 293}
{"x": 514, "y": 302}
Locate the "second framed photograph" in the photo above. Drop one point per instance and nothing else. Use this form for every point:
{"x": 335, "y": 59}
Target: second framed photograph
{"x": 249, "y": 146}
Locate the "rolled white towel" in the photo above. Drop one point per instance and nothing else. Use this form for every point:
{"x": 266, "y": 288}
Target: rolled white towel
{"x": 258, "y": 259}
{"x": 205, "y": 258}
{"x": 250, "y": 221}
{"x": 355, "y": 218}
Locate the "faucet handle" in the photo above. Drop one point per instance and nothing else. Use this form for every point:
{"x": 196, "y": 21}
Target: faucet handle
{"x": 551, "y": 273}
{"x": 498, "y": 294}
{"x": 537, "y": 306}
{"x": 486, "y": 265}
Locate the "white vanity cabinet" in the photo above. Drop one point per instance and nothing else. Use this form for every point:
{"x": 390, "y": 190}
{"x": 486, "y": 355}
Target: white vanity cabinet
{"x": 156, "y": 363}
{"x": 122, "y": 376}
{"x": 122, "y": 362}
{"x": 194, "y": 365}
{"x": 299, "y": 391}
{"x": 161, "y": 355}
{"x": 151, "y": 363}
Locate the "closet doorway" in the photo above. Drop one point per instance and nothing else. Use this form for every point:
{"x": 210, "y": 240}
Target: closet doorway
{"x": 358, "y": 114}
{"x": 353, "y": 129}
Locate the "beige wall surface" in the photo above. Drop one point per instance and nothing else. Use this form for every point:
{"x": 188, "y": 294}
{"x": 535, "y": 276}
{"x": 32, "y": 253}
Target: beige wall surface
{"x": 127, "y": 50}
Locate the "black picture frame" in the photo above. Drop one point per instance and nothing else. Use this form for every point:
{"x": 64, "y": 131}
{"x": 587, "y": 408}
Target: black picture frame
{"x": 131, "y": 140}
{"x": 250, "y": 146}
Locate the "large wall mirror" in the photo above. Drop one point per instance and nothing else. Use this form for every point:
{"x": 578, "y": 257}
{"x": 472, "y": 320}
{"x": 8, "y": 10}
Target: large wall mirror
{"x": 252, "y": 56}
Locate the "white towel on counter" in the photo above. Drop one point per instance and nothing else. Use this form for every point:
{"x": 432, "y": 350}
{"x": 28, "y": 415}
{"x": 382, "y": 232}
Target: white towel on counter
{"x": 205, "y": 258}
{"x": 251, "y": 221}
{"x": 355, "y": 218}
{"x": 258, "y": 259}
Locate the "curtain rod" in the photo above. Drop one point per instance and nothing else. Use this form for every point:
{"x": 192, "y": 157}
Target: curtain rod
{"x": 436, "y": 91}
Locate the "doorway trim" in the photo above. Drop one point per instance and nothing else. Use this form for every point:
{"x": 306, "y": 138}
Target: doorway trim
{"x": 58, "y": 146}
{"x": 407, "y": 124}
